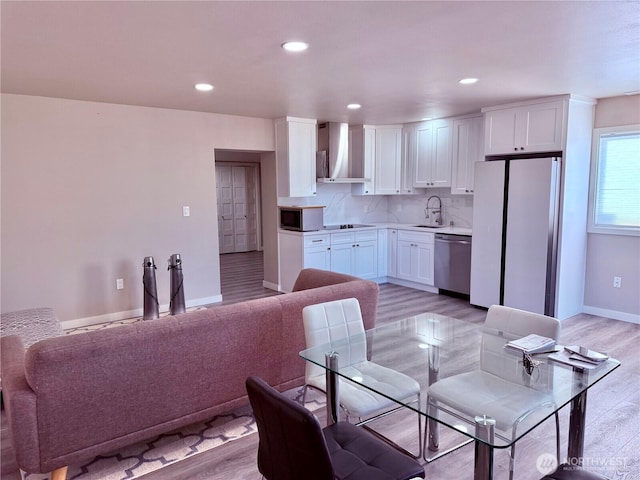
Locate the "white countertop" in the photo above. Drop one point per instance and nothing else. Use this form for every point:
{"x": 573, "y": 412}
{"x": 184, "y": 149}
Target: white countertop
{"x": 401, "y": 226}
{"x": 412, "y": 226}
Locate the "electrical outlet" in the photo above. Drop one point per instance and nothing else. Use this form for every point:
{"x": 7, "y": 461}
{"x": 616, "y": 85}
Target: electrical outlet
{"x": 186, "y": 211}
{"x": 617, "y": 282}
{"x": 119, "y": 284}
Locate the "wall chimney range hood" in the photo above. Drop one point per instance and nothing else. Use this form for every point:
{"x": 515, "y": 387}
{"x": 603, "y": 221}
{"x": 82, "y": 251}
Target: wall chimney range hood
{"x": 332, "y": 158}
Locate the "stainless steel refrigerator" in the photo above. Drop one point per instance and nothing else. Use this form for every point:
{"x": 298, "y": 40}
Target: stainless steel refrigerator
{"x": 515, "y": 233}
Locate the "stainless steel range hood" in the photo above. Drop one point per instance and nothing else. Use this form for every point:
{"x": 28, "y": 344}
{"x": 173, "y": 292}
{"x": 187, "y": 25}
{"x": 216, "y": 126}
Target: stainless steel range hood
{"x": 332, "y": 159}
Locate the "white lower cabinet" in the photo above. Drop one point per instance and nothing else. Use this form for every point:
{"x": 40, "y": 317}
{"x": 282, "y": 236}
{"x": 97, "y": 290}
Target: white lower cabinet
{"x": 383, "y": 252}
{"x": 342, "y": 258}
{"x": 317, "y": 252}
{"x": 406, "y": 256}
{"x": 297, "y": 251}
{"x": 392, "y": 259}
{"x": 366, "y": 259}
{"x": 415, "y": 256}
{"x": 355, "y": 253}
{"x": 352, "y": 252}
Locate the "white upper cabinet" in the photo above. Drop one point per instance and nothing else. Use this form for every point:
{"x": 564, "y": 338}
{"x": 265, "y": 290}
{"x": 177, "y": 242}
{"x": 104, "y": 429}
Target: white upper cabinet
{"x": 408, "y": 162}
{"x": 296, "y": 145}
{"x": 432, "y": 153}
{"x": 388, "y": 160}
{"x": 362, "y": 152}
{"x": 537, "y": 127}
{"x": 468, "y": 136}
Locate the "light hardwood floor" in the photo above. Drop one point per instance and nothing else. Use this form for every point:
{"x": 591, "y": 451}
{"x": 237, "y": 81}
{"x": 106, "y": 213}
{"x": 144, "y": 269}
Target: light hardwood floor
{"x": 613, "y": 420}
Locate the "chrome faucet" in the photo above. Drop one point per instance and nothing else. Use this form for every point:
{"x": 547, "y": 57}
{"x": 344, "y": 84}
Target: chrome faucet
{"x": 435, "y": 213}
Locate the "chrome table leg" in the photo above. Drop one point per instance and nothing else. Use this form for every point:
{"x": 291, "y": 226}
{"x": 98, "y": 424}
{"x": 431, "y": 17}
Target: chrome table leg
{"x": 577, "y": 420}
{"x": 333, "y": 396}
{"x": 483, "y": 463}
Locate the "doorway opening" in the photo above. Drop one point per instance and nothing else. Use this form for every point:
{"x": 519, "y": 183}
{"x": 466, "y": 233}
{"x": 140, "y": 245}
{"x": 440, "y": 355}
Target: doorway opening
{"x": 238, "y": 200}
{"x": 247, "y": 207}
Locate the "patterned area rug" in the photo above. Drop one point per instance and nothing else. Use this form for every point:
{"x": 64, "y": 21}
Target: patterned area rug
{"x": 145, "y": 457}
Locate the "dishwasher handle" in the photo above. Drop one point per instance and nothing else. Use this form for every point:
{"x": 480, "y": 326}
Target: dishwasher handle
{"x": 443, "y": 238}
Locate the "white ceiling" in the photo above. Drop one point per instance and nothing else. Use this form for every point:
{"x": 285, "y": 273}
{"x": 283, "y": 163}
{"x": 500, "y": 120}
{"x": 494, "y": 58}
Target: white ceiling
{"x": 401, "y": 60}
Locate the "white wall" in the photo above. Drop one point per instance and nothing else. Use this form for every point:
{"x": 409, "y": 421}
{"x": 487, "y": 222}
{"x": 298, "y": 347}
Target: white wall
{"x": 90, "y": 189}
{"x": 614, "y": 255}
{"x": 270, "y": 220}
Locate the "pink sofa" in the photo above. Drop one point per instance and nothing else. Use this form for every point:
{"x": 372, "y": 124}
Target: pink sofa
{"x": 73, "y": 397}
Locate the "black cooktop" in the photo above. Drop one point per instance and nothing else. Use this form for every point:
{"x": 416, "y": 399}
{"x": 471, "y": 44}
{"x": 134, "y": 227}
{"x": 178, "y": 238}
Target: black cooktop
{"x": 345, "y": 226}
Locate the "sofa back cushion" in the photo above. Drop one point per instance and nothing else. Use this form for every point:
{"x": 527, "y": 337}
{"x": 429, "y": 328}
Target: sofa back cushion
{"x": 151, "y": 373}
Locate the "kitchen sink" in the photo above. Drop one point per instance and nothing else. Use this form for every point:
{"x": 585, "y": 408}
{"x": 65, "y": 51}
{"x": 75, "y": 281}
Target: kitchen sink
{"x": 431, "y": 226}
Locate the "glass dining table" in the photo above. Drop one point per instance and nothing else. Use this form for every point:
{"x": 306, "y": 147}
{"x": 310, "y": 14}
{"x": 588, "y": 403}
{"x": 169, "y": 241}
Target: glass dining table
{"x": 431, "y": 347}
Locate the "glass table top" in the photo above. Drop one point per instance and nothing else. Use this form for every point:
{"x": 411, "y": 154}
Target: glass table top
{"x": 469, "y": 365}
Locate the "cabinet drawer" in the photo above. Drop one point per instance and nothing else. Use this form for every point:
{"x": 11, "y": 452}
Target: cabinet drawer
{"x": 366, "y": 236}
{"x": 316, "y": 240}
{"x": 419, "y": 237}
{"x": 343, "y": 237}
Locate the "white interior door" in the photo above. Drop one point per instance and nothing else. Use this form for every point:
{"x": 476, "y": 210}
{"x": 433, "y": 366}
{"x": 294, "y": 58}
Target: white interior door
{"x": 239, "y": 208}
{"x": 238, "y": 199}
{"x": 224, "y": 186}
{"x": 252, "y": 195}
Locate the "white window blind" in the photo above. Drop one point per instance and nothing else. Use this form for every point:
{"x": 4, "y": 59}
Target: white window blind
{"x": 616, "y": 187}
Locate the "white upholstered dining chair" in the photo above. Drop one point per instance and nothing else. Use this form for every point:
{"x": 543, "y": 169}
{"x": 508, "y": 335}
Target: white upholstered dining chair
{"x": 494, "y": 390}
{"x": 331, "y": 321}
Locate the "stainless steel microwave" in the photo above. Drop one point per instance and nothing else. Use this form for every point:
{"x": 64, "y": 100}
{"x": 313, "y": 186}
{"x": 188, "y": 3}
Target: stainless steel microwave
{"x": 302, "y": 219}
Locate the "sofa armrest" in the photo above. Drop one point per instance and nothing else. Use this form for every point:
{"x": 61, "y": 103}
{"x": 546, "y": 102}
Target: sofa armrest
{"x": 20, "y": 403}
{"x": 313, "y": 278}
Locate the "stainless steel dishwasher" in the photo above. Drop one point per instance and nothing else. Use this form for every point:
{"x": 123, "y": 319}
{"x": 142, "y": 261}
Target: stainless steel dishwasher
{"x": 452, "y": 262}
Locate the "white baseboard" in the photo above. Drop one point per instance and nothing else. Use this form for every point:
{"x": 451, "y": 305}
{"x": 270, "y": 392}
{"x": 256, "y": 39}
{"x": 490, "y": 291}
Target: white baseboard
{"x": 115, "y": 316}
{"x": 603, "y": 312}
{"x": 271, "y": 286}
{"x": 417, "y": 286}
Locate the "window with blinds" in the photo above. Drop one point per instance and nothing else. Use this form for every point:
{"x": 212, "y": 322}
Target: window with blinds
{"x": 615, "y": 181}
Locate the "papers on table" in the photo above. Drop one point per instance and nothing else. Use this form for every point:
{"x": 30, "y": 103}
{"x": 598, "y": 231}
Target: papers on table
{"x": 532, "y": 344}
{"x": 580, "y": 357}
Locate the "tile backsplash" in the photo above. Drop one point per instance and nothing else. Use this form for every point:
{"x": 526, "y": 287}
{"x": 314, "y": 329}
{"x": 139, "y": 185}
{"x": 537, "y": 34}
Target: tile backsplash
{"x": 342, "y": 207}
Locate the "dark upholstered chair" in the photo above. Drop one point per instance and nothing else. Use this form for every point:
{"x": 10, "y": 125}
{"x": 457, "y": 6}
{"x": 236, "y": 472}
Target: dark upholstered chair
{"x": 292, "y": 444}
{"x": 566, "y": 472}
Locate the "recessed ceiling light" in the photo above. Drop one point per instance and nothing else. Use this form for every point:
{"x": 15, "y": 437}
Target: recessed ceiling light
{"x": 354, "y": 106}
{"x": 468, "y": 81}
{"x": 426, "y": 118}
{"x": 204, "y": 87}
{"x": 295, "y": 46}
